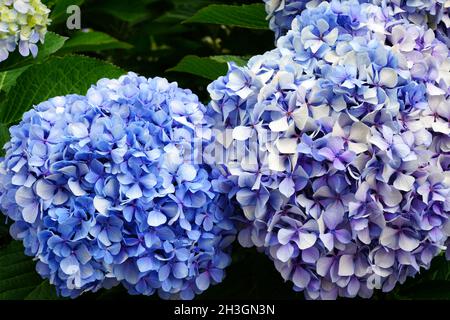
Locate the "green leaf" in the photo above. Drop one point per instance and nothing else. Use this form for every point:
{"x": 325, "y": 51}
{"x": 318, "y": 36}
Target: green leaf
{"x": 93, "y": 41}
{"x": 18, "y": 64}
{"x": 44, "y": 291}
{"x": 204, "y": 67}
{"x": 124, "y": 10}
{"x": 3, "y": 227}
{"x": 55, "y": 77}
{"x": 240, "y": 61}
{"x": 429, "y": 284}
{"x": 208, "y": 67}
{"x": 53, "y": 42}
{"x": 18, "y": 277}
{"x": 246, "y": 16}
{"x": 252, "y": 275}
{"x": 59, "y": 11}
{"x": 430, "y": 289}
{"x": 4, "y": 137}
{"x": 8, "y": 78}
{"x": 4, "y": 232}
{"x": 183, "y": 9}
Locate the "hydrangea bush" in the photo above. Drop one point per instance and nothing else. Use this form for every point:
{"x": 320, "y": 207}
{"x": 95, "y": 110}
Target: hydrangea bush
{"x": 111, "y": 187}
{"x": 436, "y": 13}
{"x": 23, "y": 23}
{"x": 337, "y": 143}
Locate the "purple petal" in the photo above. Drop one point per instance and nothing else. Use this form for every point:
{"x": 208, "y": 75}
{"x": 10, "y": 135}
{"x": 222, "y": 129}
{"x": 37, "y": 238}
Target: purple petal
{"x": 301, "y": 277}
{"x": 285, "y": 252}
{"x": 203, "y": 281}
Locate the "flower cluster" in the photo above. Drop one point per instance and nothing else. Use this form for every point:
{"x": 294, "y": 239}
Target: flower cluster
{"x": 337, "y": 144}
{"x": 111, "y": 187}
{"x": 434, "y": 12}
{"x": 282, "y": 12}
{"x": 23, "y": 23}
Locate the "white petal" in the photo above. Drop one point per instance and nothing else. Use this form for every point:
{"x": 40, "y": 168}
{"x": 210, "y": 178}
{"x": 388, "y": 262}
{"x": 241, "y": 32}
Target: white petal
{"x": 285, "y": 252}
{"x": 45, "y": 190}
{"x": 279, "y": 125}
{"x": 276, "y": 163}
{"x": 331, "y": 37}
{"x": 135, "y": 192}
{"x": 78, "y": 130}
{"x": 388, "y": 238}
{"x": 388, "y": 77}
{"x": 156, "y": 218}
{"x": 76, "y": 188}
{"x": 242, "y": 133}
{"x": 434, "y": 91}
{"x": 357, "y": 147}
{"x": 301, "y": 117}
{"x": 285, "y": 235}
{"x": 391, "y": 196}
{"x": 70, "y": 265}
{"x": 346, "y": 266}
{"x": 24, "y": 196}
{"x": 287, "y": 146}
{"x": 441, "y": 126}
{"x": 359, "y": 132}
{"x": 187, "y": 172}
{"x": 306, "y": 240}
{"x": 245, "y": 92}
{"x": 404, "y": 182}
{"x": 407, "y": 244}
{"x": 384, "y": 259}
{"x": 101, "y": 205}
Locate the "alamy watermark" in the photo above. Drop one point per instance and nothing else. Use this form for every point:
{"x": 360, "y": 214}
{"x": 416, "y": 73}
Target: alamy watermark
{"x": 73, "y": 22}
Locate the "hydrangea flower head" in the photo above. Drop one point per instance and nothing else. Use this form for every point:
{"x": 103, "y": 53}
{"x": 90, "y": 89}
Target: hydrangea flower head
{"x": 435, "y": 13}
{"x": 23, "y": 23}
{"x": 337, "y": 144}
{"x": 111, "y": 187}
{"x": 282, "y": 12}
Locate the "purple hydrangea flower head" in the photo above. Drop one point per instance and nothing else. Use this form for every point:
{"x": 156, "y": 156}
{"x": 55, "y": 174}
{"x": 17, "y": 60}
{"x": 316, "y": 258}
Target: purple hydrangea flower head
{"x": 337, "y": 145}
{"x": 112, "y": 187}
{"x": 23, "y": 23}
{"x": 435, "y": 13}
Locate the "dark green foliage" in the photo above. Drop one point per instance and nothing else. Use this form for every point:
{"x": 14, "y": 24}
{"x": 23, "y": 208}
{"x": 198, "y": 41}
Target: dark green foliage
{"x": 245, "y": 16}
{"x": 60, "y": 76}
{"x": 151, "y": 37}
{"x": 19, "y": 279}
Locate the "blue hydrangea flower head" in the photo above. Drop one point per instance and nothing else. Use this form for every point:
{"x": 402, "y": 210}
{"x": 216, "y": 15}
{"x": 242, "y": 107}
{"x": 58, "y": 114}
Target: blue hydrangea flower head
{"x": 112, "y": 187}
{"x": 282, "y": 12}
{"x": 337, "y": 145}
{"x": 23, "y": 23}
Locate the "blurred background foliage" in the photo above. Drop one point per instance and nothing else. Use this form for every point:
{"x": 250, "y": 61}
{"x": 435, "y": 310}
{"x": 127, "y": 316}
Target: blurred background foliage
{"x": 150, "y": 37}
{"x": 188, "y": 41}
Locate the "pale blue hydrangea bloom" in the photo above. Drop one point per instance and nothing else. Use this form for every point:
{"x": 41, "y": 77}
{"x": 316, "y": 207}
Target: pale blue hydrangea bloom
{"x": 111, "y": 187}
{"x": 337, "y": 143}
{"x": 23, "y": 24}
